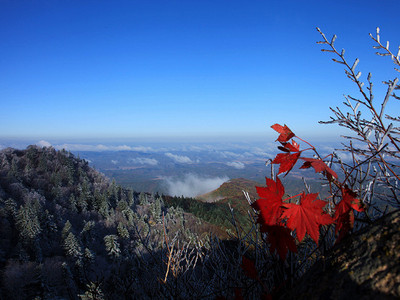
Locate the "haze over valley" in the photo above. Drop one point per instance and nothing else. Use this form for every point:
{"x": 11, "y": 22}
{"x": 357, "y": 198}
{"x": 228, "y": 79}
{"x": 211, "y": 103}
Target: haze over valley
{"x": 183, "y": 168}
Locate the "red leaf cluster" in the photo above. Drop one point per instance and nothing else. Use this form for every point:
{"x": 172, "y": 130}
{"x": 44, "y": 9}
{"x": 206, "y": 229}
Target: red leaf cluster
{"x": 270, "y": 207}
{"x": 270, "y": 202}
{"x": 307, "y": 216}
{"x": 278, "y": 218}
{"x": 319, "y": 166}
{"x": 285, "y": 133}
{"x": 344, "y": 216}
{"x": 286, "y": 161}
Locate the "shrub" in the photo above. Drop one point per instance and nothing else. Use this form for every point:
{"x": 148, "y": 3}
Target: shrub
{"x": 301, "y": 228}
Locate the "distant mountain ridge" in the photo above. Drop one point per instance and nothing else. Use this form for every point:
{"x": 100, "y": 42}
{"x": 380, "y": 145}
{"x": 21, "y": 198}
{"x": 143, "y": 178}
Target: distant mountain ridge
{"x": 232, "y": 189}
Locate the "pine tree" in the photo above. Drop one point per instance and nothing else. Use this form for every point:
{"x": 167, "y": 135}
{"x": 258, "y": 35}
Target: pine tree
{"x": 156, "y": 209}
{"x": 143, "y": 199}
{"x": 131, "y": 199}
{"x": 71, "y": 246}
{"x": 14, "y": 170}
{"x": 93, "y": 292}
{"x": 122, "y": 231}
{"x": 11, "y": 207}
{"x": 27, "y": 222}
{"x": 112, "y": 245}
{"x": 112, "y": 193}
{"x": 101, "y": 203}
{"x": 72, "y": 203}
{"x": 122, "y": 206}
{"x": 86, "y": 233}
{"x": 66, "y": 230}
{"x": 81, "y": 202}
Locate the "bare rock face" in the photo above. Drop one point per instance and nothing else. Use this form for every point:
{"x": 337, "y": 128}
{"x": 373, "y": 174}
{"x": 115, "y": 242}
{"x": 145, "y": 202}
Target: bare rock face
{"x": 365, "y": 265}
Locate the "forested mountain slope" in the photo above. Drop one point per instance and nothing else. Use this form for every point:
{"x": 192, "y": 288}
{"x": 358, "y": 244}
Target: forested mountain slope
{"x": 66, "y": 230}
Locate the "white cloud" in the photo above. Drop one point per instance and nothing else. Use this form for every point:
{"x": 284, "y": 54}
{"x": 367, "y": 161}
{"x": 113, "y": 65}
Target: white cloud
{"x": 99, "y": 147}
{"x": 142, "y": 149}
{"x": 43, "y": 143}
{"x": 179, "y": 158}
{"x": 114, "y": 161}
{"x": 261, "y": 152}
{"x": 143, "y": 161}
{"x": 236, "y": 164}
{"x": 226, "y": 154}
{"x": 193, "y": 185}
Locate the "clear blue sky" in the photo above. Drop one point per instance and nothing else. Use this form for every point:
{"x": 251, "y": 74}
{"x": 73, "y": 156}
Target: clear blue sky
{"x": 100, "y": 69}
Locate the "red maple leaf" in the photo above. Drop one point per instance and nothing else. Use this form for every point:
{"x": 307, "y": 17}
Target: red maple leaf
{"x": 344, "y": 215}
{"x": 319, "y": 166}
{"x": 249, "y": 268}
{"x": 286, "y": 161}
{"x": 290, "y": 147}
{"x": 270, "y": 202}
{"x": 280, "y": 239}
{"x": 306, "y": 217}
{"x": 285, "y": 133}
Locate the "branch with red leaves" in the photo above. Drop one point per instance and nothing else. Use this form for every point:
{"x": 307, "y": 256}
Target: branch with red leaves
{"x": 280, "y": 218}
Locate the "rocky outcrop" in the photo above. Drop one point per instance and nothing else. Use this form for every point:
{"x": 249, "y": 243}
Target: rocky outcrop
{"x": 365, "y": 265}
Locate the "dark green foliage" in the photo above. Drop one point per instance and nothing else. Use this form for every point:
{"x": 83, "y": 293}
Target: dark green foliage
{"x": 215, "y": 213}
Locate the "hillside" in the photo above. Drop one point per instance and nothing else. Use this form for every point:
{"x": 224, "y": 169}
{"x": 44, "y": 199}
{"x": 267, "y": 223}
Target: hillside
{"x": 214, "y": 207}
{"x": 231, "y": 189}
{"x": 67, "y": 231}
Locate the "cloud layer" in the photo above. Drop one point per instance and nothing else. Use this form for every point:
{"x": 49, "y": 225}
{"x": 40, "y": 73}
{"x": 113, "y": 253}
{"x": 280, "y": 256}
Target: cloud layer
{"x": 43, "y": 143}
{"x": 236, "y": 164}
{"x": 144, "y": 161}
{"x": 99, "y": 147}
{"x": 193, "y": 185}
{"x": 179, "y": 158}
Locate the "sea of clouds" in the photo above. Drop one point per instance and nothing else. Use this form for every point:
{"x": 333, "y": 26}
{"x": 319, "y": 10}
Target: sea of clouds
{"x": 192, "y": 185}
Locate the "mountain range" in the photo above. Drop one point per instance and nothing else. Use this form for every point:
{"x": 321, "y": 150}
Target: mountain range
{"x": 69, "y": 232}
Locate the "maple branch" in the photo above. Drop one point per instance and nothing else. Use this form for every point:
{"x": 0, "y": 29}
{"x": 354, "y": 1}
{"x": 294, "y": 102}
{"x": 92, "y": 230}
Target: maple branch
{"x": 304, "y": 141}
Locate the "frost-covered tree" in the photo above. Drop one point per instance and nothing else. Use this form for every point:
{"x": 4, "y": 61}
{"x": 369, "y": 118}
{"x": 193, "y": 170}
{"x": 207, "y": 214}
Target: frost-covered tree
{"x": 71, "y": 246}
{"x": 27, "y": 221}
{"x": 112, "y": 245}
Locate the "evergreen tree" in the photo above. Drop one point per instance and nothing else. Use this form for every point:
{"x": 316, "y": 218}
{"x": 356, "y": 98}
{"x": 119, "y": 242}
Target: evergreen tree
{"x": 122, "y": 231}
{"x": 93, "y": 292}
{"x": 143, "y": 199}
{"x": 27, "y": 222}
{"x": 11, "y": 207}
{"x": 113, "y": 194}
{"x": 72, "y": 203}
{"x": 71, "y": 246}
{"x": 13, "y": 173}
{"x": 86, "y": 233}
{"x": 66, "y": 230}
{"x": 131, "y": 199}
{"x": 81, "y": 202}
{"x": 156, "y": 209}
{"x": 112, "y": 245}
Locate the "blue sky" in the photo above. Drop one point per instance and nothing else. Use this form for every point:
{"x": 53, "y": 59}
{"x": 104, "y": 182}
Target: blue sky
{"x": 101, "y": 69}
